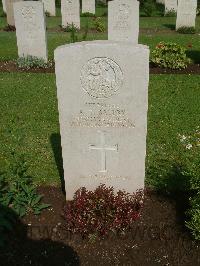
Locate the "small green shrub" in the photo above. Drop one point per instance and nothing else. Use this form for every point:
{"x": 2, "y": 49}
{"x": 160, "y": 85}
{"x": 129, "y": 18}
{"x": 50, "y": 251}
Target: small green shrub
{"x": 99, "y": 25}
{"x": 186, "y": 30}
{"x": 170, "y": 55}
{"x": 17, "y": 190}
{"x": 171, "y": 13}
{"x": 70, "y": 28}
{"x": 73, "y": 35}
{"x": 198, "y": 11}
{"x": 32, "y": 62}
{"x": 149, "y": 8}
{"x": 87, "y": 14}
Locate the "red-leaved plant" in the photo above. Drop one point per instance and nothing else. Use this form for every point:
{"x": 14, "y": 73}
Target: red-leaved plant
{"x": 101, "y": 211}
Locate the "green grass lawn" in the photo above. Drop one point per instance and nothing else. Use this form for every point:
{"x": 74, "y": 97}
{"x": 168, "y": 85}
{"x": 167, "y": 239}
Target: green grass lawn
{"x": 8, "y": 46}
{"x": 29, "y": 111}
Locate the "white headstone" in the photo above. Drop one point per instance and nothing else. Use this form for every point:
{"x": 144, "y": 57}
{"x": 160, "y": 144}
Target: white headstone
{"x": 70, "y": 10}
{"x": 50, "y": 7}
{"x": 88, "y": 6}
{"x": 10, "y": 12}
{"x": 186, "y": 14}
{"x": 170, "y": 6}
{"x": 30, "y": 29}
{"x": 4, "y": 5}
{"x": 102, "y": 89}
{"x": 123, "y": 20}
{"x": 160, "y": 1}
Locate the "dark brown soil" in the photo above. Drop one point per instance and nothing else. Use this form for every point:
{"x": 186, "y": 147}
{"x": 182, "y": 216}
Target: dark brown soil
{"x": 191, "y": 69}
{"x": 158, "y": 238}
{"x": 11, "y": 66}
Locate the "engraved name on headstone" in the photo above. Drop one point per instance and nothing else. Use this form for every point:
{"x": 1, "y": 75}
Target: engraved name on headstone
{"x": 88, "y": 6}
{"x": 123, "y": 20}
{"x": 30, "y": 29}
{"x": 102, "y": 89}
{"x": 186, "y": 14}
{"x": 70, "y": 10}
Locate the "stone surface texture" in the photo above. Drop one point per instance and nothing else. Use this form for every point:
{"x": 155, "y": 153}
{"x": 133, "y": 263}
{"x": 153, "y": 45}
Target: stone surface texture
{"x": 10, "y": 12}
{"x": 88, "y": 6}
{"x": 186, "y": 14}
{"x": 50, "y": 7}
{"x": 30, "y": 29}
{"x": 70, "y": 10}
{"x": 123, "y": 20}
{"x": 170, "y": 6}
{"x": 4, "y": 5}
{"x": 102, "y": 90}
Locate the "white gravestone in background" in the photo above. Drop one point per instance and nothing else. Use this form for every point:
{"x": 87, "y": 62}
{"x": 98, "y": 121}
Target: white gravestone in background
{"x": 170, "y": 6}
{"x": 30, "y": 29}
{"x": 4, "y": 5}
{"x": 88, "y": 6}
{"x": 102, "y": 90}
{"x": 50, "y": 7}
{"x": 123, "y": 20}
{"x": 186, "y": 14}
{"x": 160, "y": 1}
{"x": 70, "y": 10}
{"x": 10, "y": 12}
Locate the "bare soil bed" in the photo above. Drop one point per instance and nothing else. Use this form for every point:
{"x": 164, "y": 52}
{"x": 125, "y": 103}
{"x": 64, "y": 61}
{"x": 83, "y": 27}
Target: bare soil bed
{"x": 157, "y": 238}
{"x": 11, "y": 66}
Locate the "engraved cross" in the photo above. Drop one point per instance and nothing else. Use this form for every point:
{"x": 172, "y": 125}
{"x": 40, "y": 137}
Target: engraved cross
{"x": 103, "y": 148}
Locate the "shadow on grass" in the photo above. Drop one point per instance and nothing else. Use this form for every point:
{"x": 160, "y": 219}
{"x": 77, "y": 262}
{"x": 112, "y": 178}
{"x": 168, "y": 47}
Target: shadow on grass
{"x": 175, "y": 186}
{"x": 55, "y": 140}
{"x": 18, "y": 249}
{"x": 194, "y": 55}
{"x": 170, "y": 26}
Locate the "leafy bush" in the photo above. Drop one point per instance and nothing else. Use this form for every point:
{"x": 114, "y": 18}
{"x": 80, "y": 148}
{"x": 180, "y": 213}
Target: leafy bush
{"x": 32, "y": 62}
{"x": 170, "y": 55}
{"x": 186, "y": 30}
{"x": 198, "y": 11}
{"x": 149, "y": 7}
{"x": 99, "y": 25}
{"x": 17, "y": 190}
{"x": 171, "y": 13}
{"x": 99, "y": 212}
{"x": 70, "y": 28}
{"x": 87, "y": 14}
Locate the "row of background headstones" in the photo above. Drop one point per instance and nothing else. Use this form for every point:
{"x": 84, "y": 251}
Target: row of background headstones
{"x": 123, "y": 21}
{"x": 88, "y": 6}
{"x": 180, "y": 6}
